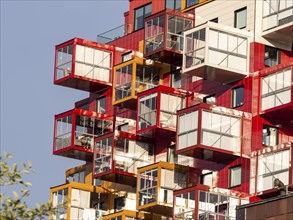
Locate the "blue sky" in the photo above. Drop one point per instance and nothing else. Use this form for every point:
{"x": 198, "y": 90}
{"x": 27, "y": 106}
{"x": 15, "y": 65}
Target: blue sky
{"x": 29, "y": 100}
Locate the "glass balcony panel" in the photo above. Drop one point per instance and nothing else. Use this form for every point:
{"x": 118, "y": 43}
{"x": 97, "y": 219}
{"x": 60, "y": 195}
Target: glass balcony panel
{"x": 60, "y": 197}
{"x": 154, "y": 37}
{"x": 148, "y": 186}
{"x": 64, "y": 132}
{"x": 64, "y": 62}
{"x": 103, "y": 155}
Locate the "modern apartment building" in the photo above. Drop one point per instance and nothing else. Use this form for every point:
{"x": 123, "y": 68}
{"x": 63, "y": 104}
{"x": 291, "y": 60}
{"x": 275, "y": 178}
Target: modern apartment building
{"x": 189, "y": 114}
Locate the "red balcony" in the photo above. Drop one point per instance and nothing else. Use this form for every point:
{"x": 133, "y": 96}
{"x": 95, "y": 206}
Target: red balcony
{"x": 75, "y": 131}
{"x": 164, "y": 35}
{"x": 204, "y": 202}
{"x": 213, "y": 133}
{"x": 157, "y": 109}
{"x": 117, "y": 157}
{"x": 216, "y": 52}
{"x": 83, "y": 64}
{"x": 276, "y": 93}
{"x": 269, "y": 164}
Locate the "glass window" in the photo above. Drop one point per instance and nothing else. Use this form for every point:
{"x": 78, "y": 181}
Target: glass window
{"x": 207, "y": 179}
{"x": 148, "y": 186}
{"x": 240, "y": 18}
{"x": 126, "y": 56}
{"x": 173, "y": 4}
{"x": 101, "y": 105}
{"x": 270, "y": 135}
{"x": 235, "y": 176}
{"x": 176, "y": 79}
{"x": 211, "y": 99}
{"x": 272, "y": 56}
{"x": 119, "y": 204}
{"x": 140, "y": 14}
{"x": 191, "y": 3}
{"x": 237, "y": 97}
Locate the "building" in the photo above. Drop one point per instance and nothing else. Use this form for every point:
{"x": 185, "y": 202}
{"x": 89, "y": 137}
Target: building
{"x": 189, "y": 113}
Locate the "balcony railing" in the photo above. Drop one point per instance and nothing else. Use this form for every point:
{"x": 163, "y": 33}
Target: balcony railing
{"x": 216, "y": 52}
{"x": 113, "y": 34}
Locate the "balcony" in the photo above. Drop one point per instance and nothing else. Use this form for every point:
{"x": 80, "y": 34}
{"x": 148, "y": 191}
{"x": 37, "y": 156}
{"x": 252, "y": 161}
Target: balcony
{"x": 277, "y": 22}
{"x": 69, "y": 205}
{"x": 164, "y": 35}
{"x": 216, "y": 52}
{"x": 276, "y": 93}
{"x": 203, "y": 202}
{"x": 127, "y": 214}
{"x": 213, "y": 133}
{"x": 155, "y": 185}
{"x": 134, "y": 76}
{"x": 84, "y": 65}
{"x": 157, "y": 111}
{"x": 267, "y": 165}
{"x": 117, "y": 157}
{"x": 75, "y": 131}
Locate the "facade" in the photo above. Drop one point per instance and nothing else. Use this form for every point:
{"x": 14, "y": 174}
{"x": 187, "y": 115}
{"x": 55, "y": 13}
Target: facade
{"x": 189, "y": 113}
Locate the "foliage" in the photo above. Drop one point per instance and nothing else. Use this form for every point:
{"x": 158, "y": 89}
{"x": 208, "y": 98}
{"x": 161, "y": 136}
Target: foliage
{"x": 16, "y": 208}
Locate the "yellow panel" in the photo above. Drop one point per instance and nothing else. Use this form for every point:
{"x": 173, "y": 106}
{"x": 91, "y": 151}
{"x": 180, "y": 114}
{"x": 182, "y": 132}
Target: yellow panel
{"x": 201, "y": 2}
{"x": 141, "y": 46}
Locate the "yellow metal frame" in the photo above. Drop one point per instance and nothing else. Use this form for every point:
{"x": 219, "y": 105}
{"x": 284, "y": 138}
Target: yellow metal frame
{"x": 124, "y": 214}
{"x": 86, "y": 168}
{"x": 76, "y": 185}
{"x": 201, "y": 2}
{"x": 159, "y": 166}
{"x": 165, "y": 68}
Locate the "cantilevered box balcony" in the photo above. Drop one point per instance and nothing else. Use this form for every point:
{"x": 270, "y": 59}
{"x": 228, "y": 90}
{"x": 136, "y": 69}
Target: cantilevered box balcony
{"x": 269, "y": 164}
{"x": 135, "y": 76}
{"x": 75, "y": 131}
{"x": 277, "y": 22}
{"x": 203, "y": 202}
{"x": 78, "y": 201}
{"x": 117, "y": 157}
{"x": 216, "y": 52}
{"x": 276, "y": 93}
{"x": 164, "y": 35}
{"x": 213, "y": 133}
{"x": 83, "y": 64}
{"x": 155, "y": 185}
{"x": 157, "y": 111}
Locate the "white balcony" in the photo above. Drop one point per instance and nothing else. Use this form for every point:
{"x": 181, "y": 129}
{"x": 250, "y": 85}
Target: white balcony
{"x": 277, "y": 23}
{"x": 216, "y": 52}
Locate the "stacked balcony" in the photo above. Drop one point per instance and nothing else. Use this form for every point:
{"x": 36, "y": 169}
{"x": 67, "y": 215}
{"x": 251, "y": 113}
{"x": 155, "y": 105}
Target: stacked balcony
{"x": 277, "y": 22}
{"x": 203, "y": 202}
{"x": 276, "y": 93}
{"x": 76, "y": 130}
{"x": 213, "y": 133}
{"x": 216, "y": 52}
{"x": 268, "y": 165}
{"x": 164, "y": 35}
{"x": 84, "y": 65}
{"x": 132, "y": 77}
{"x": 78, "y": 201}
{"x": 117, "y": 157}
{"x": 155, "y": 185}
{"x": 157, "y": 111}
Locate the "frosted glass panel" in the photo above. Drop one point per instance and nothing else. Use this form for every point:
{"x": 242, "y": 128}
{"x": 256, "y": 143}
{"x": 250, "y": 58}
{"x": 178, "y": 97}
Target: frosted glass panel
{"x": 213, "y": 38}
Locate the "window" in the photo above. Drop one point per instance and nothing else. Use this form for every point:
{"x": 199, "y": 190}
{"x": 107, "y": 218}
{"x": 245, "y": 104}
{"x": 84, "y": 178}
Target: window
{"x": 140, "y": 14}
{"x": 207, "y": 179}
{"x": 211, "y": 99}
{"x": 190, "y": 3}
{"x": 127, "y": 56}
{"x": 272, "y": 56}
{"x": 270, "y": 135}
{"x": 176, "y": 79}
{"x": 101, "y": 105}
{"x": 119, "y": 204}
{"x": 235, "y": 176}
{"x": 171, "y": 156}
{"x": 148, "y": 181}
{"x": 187, "y": 132}
{"x": 240, "y": 18}
{"x": 173, "y": 4}
{"x": 237, "y": 97}
{"x": 147, "y": 111}
{"x": 77, "y": 177}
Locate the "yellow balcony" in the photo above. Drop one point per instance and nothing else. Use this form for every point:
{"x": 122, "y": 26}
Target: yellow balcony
{"x": 155, "y": 185}
{"x": 127, "y": 214}
{"x": 79, "y": 201}
{"x": 135, "y": 76}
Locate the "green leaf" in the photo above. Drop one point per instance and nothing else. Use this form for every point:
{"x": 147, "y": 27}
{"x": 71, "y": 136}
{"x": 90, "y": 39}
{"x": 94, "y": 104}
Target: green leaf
{"x": 15, "y": 195}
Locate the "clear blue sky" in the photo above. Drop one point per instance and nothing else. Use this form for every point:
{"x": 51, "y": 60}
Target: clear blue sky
{"x": 29, "y": 100}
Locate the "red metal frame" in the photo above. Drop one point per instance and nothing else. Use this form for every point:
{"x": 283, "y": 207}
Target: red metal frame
{"x": 219, "y": 155}
{"x": 154, "y": 130}
{"x": 80, "y": 82}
